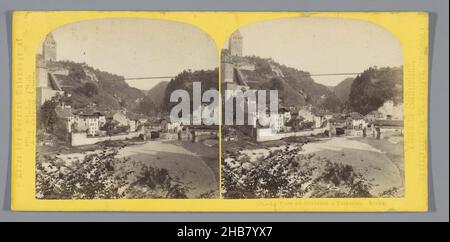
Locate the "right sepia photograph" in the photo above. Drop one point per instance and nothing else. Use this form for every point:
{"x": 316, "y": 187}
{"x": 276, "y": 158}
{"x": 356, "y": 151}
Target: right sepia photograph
{"x": 316, "y": 110}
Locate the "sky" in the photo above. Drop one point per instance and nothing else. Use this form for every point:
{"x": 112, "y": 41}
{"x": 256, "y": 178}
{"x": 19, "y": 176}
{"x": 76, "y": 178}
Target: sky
{"x": 143, "y": 47}
{"x": 137, "y": 48}
{"x": 323, "y": 45}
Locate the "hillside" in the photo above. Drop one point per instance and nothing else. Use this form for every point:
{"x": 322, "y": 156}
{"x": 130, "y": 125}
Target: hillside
{"x": 296, "y": 87}
{"x": 87, "y": 85}
{"x": 209, "y": 79}
{"x": 374, "y": 87}
{"x": 156, "y": 94}
{"x": 342, "y": 90}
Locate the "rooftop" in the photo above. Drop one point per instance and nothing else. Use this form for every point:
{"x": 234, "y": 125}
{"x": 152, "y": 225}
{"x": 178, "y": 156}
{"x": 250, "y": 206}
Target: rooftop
{"x": 88, "y": 112}
{"x": 355, "y": 115}
{"x": 396, "y": 123}
{"x": 63, "y": 112}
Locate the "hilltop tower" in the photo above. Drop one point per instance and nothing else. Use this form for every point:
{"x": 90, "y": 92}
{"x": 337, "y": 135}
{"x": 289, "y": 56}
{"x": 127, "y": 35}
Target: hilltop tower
{"x": 235, "y": 44}
{"x": 49, "y": 48}
{"x": 46, "y": 81}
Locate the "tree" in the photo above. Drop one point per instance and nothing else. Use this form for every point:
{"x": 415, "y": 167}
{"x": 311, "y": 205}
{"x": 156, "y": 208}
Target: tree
{"x": 332, "y": 103}
{"x": 47, "y": 115}
{"x": 306, "y": 125}
{"x": 285, "y": 173}
{"x": 89, "y": 89}
{"x": 295, "y": 123}
{"x": 102, "y": 175}
{"x": 92, "y": 178}
{"x": 209, "y": 79}
{"x": 269, "y": 177}
{"x": 109, "y": 127}
{"x": 147, "y": 106}
{"x": 374, "y": 87}
{"x": 76, "y": 71}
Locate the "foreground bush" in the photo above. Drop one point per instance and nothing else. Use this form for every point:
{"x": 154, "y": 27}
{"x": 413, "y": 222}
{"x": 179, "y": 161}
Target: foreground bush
{"x": 102, "y": 176}
{"x": 286, "y": 174}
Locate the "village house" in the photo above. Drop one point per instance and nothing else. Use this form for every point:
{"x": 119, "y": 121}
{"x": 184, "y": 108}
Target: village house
{"x": 133, "y": 124}
{"x": 170, "y": 127}
{"x": 286, "y": 114}
{"x": 356, "y": 121}
{"x": 374, "y": 115}
{"x": 328, "y": 115}
{"x": 319, "y": 120}
{"x": 166, "y": 129}
{"x": 337, "y": 124}
{"x": 143, "y": 120}
{"x": 310, "y": 115}
{"x": 387, "y": 128}
{"x": 355, "y": 125}
{"x": 127, "y": 119}
{"x": 133, "y": 121}
{"x": 119, "y": 117}
{"x": 89, "y": 121}
{"x": 277, "y": 122}
{"x": 64, "y": 122}
{"x": 306, "y": 114}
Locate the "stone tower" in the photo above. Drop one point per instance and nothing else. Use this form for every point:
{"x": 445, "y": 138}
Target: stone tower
{"x": 235, "y": 44}
{"x": 49, "y": 48}
{"x": 227, "y": 69}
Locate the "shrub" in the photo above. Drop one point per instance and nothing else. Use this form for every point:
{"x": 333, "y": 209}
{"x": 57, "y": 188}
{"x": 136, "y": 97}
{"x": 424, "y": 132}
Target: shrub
{"x": 103, "y": 176}
{"x": 273, "y": 176}
{"x": 286, "y": 174}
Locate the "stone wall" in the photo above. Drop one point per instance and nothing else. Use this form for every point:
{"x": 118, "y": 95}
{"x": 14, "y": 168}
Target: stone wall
{"x": 268, "y": 135}
{"x": 227, "y": 72}
{"x": 168, "y": 136}
{"x": 42, "y": 77}
{"x": 44, "y": 94}
{"x": 78, "y": 139}
{"x": 354, "y": 132}
{"x": 386, "y": 132}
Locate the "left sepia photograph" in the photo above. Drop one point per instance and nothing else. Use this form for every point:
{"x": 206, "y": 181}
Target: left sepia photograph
{"x": 103, "y": 103}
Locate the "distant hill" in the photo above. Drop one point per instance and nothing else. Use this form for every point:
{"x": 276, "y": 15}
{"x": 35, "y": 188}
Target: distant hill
{"x": 209, "y": 79}
{"x": 342, "y": 90}
{"x": 370, "y": 90}
{"x": 87, "y": 85}
{"x": 152, "y": 102}
{"x": 157, "y": 93}
{"x": 331, "y": 88}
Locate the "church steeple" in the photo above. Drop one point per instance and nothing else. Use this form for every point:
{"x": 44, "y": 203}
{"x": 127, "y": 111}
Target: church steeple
{"x": 49, "y": 48}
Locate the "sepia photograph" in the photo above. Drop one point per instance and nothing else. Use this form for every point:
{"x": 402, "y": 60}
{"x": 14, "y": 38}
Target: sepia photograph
{"x": 103, "y": 101}
{"x": 279, "y": 112}
{"x": 337, "y": 127}
{"x": 178, "y": 111}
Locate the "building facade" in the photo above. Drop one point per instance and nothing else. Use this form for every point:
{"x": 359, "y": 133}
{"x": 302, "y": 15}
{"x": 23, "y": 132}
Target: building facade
{"x": 235, "y": 44}
{"x": 49, "y": 48}
{"x": 46, "y": 83}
